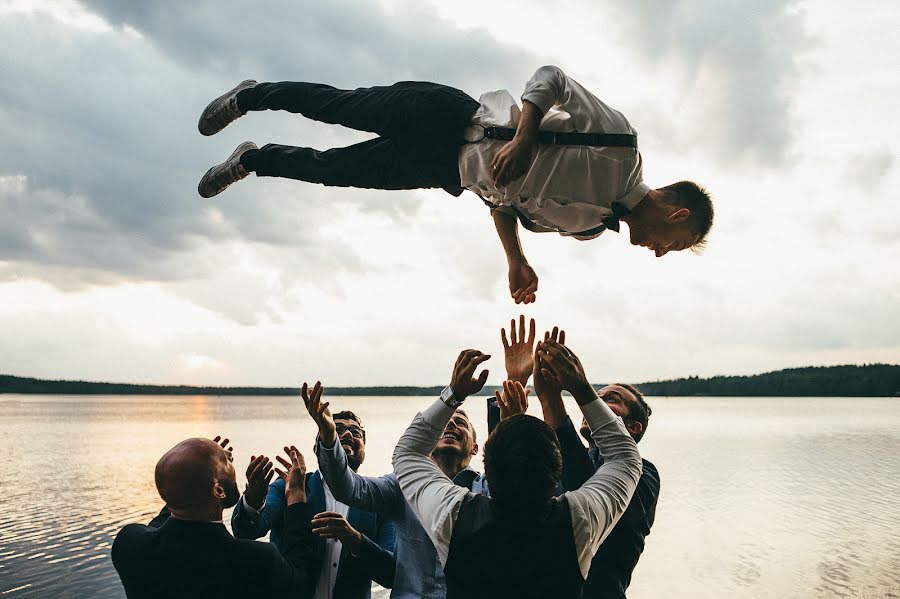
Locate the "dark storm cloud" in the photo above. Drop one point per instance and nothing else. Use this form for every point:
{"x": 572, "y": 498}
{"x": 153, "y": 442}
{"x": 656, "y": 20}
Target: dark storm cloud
{"x": 343, "y": 42}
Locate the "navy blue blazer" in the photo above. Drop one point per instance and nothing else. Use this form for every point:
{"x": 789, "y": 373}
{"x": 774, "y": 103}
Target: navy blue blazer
{"x": 355, "y": 573}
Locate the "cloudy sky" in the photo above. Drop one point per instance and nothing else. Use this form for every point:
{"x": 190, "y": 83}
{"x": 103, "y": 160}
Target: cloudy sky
{"x": 113, "y": 268}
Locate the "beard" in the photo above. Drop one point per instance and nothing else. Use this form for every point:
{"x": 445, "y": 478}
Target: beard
{"x": 354, "y": 461}
{"x": 232, "y": 494}
{"x": 354, "y": 458}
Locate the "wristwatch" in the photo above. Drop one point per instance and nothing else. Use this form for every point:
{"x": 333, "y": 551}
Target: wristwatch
{"x": 448, "y": 398}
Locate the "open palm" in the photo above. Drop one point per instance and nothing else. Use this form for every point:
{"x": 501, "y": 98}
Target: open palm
{"x": 518, "y": 351}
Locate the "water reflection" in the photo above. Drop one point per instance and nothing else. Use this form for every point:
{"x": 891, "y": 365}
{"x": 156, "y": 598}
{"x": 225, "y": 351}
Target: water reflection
{"x": 764, "y": 497}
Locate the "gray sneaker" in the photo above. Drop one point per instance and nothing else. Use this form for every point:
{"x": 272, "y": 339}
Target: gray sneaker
{"x": 222, "y": 111}
{"x": 222, "y": 175}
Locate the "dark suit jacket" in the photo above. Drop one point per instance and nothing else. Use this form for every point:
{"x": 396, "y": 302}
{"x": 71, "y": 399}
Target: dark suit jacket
{"x": 201, "y": 559}
{"x": 355, "y": 573}
{"x": 617, "y": 556}
{"x": 611, "y": 568}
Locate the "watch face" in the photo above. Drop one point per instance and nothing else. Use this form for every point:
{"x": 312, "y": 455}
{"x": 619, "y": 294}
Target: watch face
{"x": 447, "y": 395}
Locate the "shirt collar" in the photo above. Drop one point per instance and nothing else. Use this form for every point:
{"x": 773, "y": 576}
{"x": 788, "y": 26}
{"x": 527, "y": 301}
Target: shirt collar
{"x": 634, "y": 196}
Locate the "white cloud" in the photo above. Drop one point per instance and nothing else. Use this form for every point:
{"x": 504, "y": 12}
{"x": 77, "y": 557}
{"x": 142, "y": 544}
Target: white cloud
{"x": 111, "y": 267}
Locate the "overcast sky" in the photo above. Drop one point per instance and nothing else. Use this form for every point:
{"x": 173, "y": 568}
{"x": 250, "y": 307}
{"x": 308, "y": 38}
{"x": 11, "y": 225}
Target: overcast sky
{"x": 113, "y": 268}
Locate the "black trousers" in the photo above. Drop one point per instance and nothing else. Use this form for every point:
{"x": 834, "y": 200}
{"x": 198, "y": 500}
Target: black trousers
{"x": 419, "y": 127}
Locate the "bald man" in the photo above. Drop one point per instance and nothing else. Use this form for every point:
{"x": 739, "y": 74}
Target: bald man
{"x": 188, "y": 552}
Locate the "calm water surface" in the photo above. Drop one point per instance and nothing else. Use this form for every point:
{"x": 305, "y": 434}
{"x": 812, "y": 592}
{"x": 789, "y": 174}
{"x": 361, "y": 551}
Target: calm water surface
{"x": 761, "y": 497}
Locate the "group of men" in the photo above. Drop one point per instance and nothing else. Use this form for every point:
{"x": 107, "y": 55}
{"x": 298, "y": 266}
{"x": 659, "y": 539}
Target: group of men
{"x": 550, "y": 518}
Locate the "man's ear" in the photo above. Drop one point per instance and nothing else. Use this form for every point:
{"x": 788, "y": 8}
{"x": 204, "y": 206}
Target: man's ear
{"x": 634, "y": 427}
{"x": 218, "y": 491}
{"x": 679, "y": 216}
{"x": 474, "y": 449}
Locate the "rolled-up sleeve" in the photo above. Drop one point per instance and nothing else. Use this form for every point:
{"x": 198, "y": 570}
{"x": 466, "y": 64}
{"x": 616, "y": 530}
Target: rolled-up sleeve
{"x": 546, "y": 88}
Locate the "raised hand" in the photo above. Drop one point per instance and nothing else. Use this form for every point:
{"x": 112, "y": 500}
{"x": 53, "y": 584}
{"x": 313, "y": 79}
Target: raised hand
{"x": 518, "y": 351}
{"x": 320, "y": 413}
{"x": 462, "y": 381}
{"x": 294, "y": 475}
{"x": 523, "y": 283}
{"x": 561, "y": 362}
{"x": 331, "y": 525}
{"x": 259, "y": 475}
{"x": 546, "y": 384}
{"x": 513, "y": 400}
{"x": 224, "y": 443}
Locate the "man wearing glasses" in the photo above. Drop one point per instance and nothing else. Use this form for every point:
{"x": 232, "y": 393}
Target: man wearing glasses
{"x": 356, "y": 546}
{"x": 419, "y": 572}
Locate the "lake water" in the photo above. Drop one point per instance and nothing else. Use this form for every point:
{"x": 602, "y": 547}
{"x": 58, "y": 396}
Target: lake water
{"x": 761, "y": 497}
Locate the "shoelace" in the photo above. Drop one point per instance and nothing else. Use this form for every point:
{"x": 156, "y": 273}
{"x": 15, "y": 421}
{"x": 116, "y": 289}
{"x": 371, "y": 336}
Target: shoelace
{"x": 224, "y": 113}
{"x": 228, "y": 175}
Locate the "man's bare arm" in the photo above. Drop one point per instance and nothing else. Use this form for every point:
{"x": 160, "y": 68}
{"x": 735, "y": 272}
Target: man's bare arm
{"x": 523, "y": 282}
{"x": 513, "y": 159}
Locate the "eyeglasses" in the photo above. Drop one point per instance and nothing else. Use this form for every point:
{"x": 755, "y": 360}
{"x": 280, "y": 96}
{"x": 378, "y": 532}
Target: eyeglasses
{"x": 355, "y": 431}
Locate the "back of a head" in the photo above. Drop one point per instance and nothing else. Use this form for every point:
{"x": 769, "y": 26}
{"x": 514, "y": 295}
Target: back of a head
{"x": 694, "y": 197}
{"x": 523, "y": 464}
{"x": 186, "y": 473}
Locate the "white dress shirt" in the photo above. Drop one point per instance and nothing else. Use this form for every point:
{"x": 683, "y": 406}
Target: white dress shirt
{"x": 567, "y": 189}
{"x": 332, "y": 557}
{"x": 594, "y": 508}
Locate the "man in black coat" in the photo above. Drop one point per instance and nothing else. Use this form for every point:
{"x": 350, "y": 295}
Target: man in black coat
{"x": 617, "y": 556}
{"x": 188, "y": 552}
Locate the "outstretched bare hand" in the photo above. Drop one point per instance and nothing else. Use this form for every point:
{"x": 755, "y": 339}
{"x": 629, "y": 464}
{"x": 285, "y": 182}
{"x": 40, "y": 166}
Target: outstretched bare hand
{"x": 294, "y": 475}
{"x": 513, "y": 400}
{"x": 319, "y": 412}
{"x": 259, "y": 475}
{"x": 518, "y": 351}
{"x": 224, "y": 443}
{"x": 546, "y": 385}
{"x": 462, "y": 381}
{"x": 561, "y": 362}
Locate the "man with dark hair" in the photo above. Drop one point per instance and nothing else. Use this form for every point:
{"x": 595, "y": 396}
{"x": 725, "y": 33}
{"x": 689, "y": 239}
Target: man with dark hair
{"x": 564, "y": 162}
{"x": 521, "y": 541}
{"x": 187, "y": 552}
{"x": 354, "y": 546}
{"x": 618, "y": 555}
{"x": 419, "y": 574}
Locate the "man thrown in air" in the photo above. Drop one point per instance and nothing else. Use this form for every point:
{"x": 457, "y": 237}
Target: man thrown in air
{"x": 565, "y": 162}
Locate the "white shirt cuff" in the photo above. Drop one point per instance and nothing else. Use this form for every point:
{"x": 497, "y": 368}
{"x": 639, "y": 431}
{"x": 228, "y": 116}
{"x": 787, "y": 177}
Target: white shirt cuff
{"x": 438, "y": 414}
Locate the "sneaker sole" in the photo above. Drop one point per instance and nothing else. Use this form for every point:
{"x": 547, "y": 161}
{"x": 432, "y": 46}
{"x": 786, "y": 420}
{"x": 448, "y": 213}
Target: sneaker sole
{"x": 238, "y": 151}
{"x": 246, "y": 84}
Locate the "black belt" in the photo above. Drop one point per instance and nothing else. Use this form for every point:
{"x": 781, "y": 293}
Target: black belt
{"x": 608, "y": 140}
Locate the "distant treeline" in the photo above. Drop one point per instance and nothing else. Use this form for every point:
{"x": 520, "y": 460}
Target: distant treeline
{"x": 872, "y": 380}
